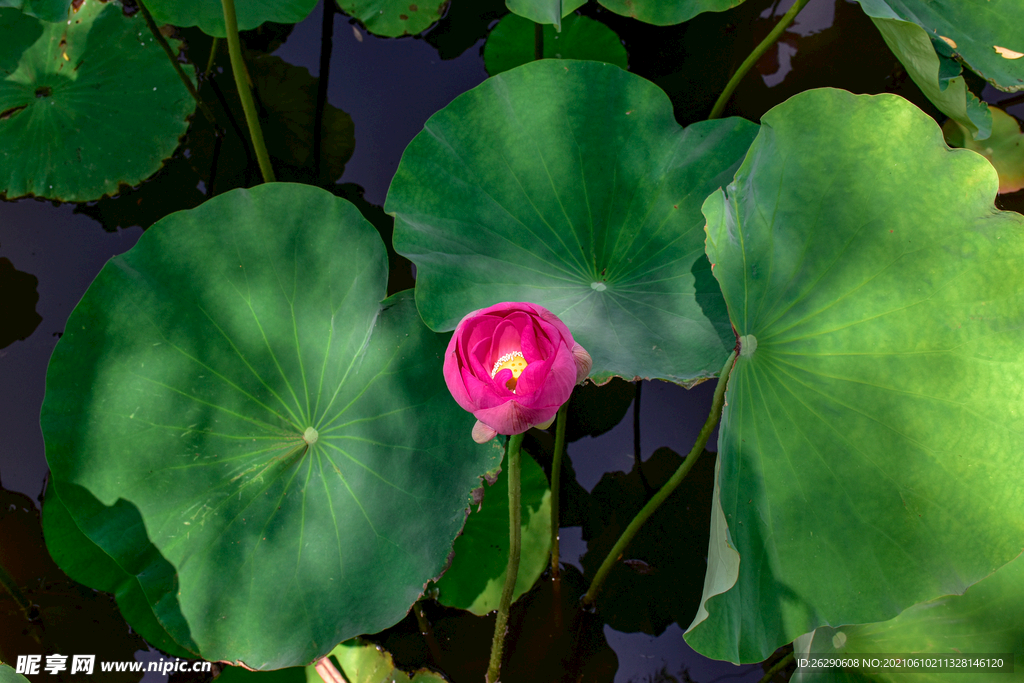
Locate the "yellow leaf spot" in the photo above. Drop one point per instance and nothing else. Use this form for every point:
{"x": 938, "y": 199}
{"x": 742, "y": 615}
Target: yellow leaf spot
{"x": 949, "y": 41}
{"x": 1007, "y": 54}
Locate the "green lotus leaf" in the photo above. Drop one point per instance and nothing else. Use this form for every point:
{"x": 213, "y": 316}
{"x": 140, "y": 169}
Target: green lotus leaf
{"x": 88, "y": 564}
{"x": 937, "y": 76}
{"x": 9, "y": 675}
{"x": 477, "y": 574}
{"x": 570, "y": 185}
{"x": 393, "y": 18}
{"x": 984, "y": 621}
{"x": 667, "y": 12}
{"x": 234, "y": 390}
{"x": 984, "y": 34}
{"x": 510, "y": 43}
{"x": 363, "y": 662}
{"x": 1004, "y": 148}
{"x": 47, "y": 10}
{"x": 90, "y": 105}
{"x": 870, "y": 445}
{"x": 544, "y": 11}
{"x": 208, "y": 15}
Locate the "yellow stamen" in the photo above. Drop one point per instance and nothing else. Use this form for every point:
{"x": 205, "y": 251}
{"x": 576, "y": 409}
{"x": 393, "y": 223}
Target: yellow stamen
{"x": 513, "y": 361}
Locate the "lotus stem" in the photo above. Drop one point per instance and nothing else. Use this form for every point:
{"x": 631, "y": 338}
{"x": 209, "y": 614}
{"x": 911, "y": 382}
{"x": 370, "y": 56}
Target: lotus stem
{"x": 328, "y": 672}
{"x": 762, "y": 47}
{"x": 326, "y": 47}
{"x": 155, "y": 30}
{"x": 556, "y": 477}
{"x": 211, "y": 58}
{"x": 515, "y": 444}
{"x": 244, "y": 93}
{"x": 666, "y": 490}
{"x": 538, "y": 41}
{"x": 777, "y": 667}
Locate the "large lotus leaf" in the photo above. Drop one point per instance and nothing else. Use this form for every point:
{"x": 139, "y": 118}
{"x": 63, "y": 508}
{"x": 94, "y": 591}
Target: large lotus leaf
{"x": 544, "y": 11}
{"x": 570, "y": 185}
{"x": 91, "y": 104}
{"x": 475, "y": 578}
{"x": 1004, "y": 148}
{"x": 47, "y": 10}
{"x": 393, "y": 18}
{"x": 936, "y": 75}
{"x": 511, "y": 43}
{"x": 871, "y": 441}
{"x": 208, "y": 15}
{"x": 284, "y": 438}
{"x": 986, "y": 620}
{"x": 88, "y": 564}
{"x": 984, "y": 34}
{"x": 667, "y": 12}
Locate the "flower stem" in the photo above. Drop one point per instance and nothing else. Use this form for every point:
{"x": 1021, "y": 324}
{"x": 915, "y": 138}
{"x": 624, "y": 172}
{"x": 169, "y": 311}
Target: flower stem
{"x": 514, "y": 542}
{"x": 155, "y": 30}
{"x": 244, "y": 93}
{"x": 667, "y": 489}
{"x": 556, "y": 477}
{"x": 762, "y": 47}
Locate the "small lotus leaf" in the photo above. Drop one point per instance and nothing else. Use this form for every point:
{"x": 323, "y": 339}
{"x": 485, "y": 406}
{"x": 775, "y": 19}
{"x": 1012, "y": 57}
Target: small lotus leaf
{"x": 208, "y": 15}
{"x": 474, "y": 580}
{"x": 667, "y": 12}
{"x": 511, "y": 43}
{"x": 393, "y": 18}
{"x": 544, "y": 11}
{"x": 91, "y": 104}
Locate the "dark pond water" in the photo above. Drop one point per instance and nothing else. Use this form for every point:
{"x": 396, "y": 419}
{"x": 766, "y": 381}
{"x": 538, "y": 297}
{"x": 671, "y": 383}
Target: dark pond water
{"x": 50, "y": 253}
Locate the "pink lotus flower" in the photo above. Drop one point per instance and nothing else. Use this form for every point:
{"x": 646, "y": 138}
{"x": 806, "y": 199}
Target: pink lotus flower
{"x": 513, "y": 365}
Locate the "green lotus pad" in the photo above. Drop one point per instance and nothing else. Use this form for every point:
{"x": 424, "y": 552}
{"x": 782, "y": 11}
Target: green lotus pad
{"x": 983, "y": 622}
{"x": 47, "y": 10}
{"x": 208, "y": 15}
{"x": 511, "y": 43}
{"x": 570, "y": 185}
{"x": 9, "y": 675}
{"x": 870, "y": 444}
{"x": 393, "y": 18}
{"x": 984, "y": 34}
{"x": 544, "y": 11}
{"x": 474, "y": 580}
{"x": 276, "y": 444}
{"x": 89, "y": 105}
{"x": 1004, "y": 148}
{"x": 667, "y": 12}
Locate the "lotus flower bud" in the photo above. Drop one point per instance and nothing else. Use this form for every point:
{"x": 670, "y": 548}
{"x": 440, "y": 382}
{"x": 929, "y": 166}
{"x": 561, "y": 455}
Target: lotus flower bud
{"x": 513, "y": 365}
